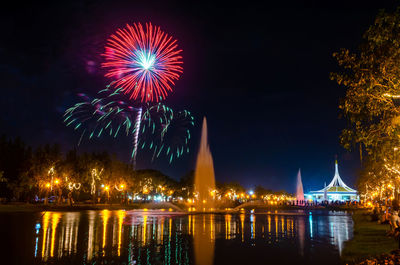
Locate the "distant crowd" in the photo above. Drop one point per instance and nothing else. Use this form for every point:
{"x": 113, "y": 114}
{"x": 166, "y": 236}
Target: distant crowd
{"x": 324, "y": 203}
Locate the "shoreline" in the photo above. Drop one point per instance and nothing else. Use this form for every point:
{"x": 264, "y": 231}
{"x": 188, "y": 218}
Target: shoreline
{"x": 26, "y": 207}
{"x": 23, "y": 207}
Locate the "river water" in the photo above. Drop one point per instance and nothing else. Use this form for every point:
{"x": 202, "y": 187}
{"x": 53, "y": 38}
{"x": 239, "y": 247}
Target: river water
{"x": 164, "y": 237}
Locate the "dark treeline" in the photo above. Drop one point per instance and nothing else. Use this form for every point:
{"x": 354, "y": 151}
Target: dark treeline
{"x": 35, "y": 175}
{"x": 28, "y": 174}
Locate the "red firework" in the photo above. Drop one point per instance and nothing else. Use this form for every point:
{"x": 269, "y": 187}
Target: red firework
{"x": 144, "y": 62}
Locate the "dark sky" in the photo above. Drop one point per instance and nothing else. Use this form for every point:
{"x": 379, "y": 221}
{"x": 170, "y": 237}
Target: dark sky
{"x": 258, "y": 72}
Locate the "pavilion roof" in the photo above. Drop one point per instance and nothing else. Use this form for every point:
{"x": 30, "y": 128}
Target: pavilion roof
{"x": 337, "y": 184}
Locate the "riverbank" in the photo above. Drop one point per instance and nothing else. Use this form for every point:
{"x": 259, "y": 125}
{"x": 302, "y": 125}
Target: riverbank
{"x": 369, "y": 241}
{"x": 23, "y": 207}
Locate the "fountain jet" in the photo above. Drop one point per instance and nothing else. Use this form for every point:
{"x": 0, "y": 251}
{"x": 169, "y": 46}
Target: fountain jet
{"x": 299, "y": 189}
{"x": 204, "y": 179}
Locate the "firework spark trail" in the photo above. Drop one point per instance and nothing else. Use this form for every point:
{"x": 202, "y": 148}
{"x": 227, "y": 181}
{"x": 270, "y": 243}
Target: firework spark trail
{"x": 171, "y": 134}
{"x": 106, "y": 113}
{"x": 136, "y": 136}
{"x": 155, "y": 127}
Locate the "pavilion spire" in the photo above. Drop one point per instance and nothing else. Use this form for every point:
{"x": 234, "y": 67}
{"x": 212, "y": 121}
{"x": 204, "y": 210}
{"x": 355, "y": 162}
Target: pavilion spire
{"x": 336, "y": 168}
{"x": 337, "y": 180}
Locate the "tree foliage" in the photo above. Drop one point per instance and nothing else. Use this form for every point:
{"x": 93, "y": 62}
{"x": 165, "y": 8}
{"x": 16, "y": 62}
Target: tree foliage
{"x": 372, "y": 104}
{"x": 372, "y": 78}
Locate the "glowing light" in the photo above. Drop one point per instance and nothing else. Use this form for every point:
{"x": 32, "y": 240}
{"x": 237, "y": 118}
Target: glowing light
{"x": 242, "y": 225}
{"x": 54, "y": 222}
{"x": 121, "y": 215}
{"x": 253, "y": 226}
{"x": 145, "y": 59}
{"x": 120, "y": 188}
{"x": 170, "y": 228}
{"x": 48, "y": 185}
{"x": 136, "y": 135}
{"x": 106, "y": 215}
{"x": 46, "y": 217}
{"x": 95, "y": 176}
{"x": 57, "y": 181}
{"x": 391, "y": 96}
{"x": 144, "y": 231}
{"x": 90, "y": 235}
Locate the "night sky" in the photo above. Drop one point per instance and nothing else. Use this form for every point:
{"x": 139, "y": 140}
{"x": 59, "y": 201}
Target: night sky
{"x": 258, "y": 72}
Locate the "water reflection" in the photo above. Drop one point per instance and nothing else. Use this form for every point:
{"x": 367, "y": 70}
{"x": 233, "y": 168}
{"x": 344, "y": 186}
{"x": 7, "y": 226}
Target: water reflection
{"x": 339, "y": 231}
{"x": 157, "y": 237}
{"x": 203, "y": 238}
{"x": 91, "y": 235}
{"x": 301, "y": 234}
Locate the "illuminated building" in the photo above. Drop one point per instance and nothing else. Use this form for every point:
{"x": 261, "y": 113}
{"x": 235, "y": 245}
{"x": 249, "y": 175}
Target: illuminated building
{"x": 337, "y": 190}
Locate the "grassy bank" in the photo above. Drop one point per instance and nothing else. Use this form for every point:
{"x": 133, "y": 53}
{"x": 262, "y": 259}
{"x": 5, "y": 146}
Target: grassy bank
{"x": 369, "y": 239}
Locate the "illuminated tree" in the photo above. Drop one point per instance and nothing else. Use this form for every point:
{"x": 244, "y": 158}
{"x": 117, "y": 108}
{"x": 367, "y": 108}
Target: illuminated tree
{"x": 372, "y": 78}
{"x": 93, "y": 169}
{"x": 71, "y": 174}
{"x": 45, "y": 169}
{"x": 120, "y": 178}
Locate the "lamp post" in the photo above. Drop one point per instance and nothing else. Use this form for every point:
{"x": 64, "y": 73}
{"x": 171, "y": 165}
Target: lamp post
{"x": 46, "y": 196}
{"x": 57, "y": 184}
{"x": 123, "y": 199}
{"x": 107, "y": 189}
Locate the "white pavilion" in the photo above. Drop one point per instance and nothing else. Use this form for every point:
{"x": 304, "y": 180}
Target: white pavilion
{"x": 337, "y": 190}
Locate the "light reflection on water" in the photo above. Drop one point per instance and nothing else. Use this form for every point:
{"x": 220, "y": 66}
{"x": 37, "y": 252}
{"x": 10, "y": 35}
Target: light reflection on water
{"x": 155, "y": 237}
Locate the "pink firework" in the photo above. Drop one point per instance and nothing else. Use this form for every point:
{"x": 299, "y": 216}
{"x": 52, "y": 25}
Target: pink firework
{"x": 144, "y": 62}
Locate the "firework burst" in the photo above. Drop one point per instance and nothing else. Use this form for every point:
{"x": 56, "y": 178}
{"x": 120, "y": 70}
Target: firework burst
{"x": 144, "y": 61}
